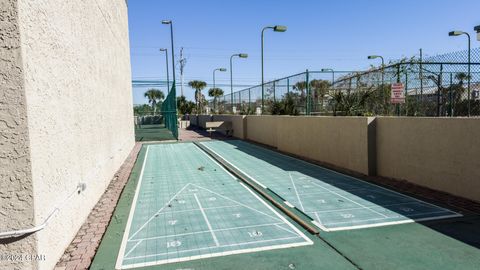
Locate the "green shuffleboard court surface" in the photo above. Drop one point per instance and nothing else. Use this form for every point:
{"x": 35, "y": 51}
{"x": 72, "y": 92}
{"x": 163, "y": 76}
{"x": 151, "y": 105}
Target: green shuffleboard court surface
{"x": 187, "y": 207}
{"x": 335, "y": 201}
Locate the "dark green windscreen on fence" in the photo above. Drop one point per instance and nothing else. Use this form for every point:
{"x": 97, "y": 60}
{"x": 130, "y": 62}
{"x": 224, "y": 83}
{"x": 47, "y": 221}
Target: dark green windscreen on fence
{"x": 169, "y": 112}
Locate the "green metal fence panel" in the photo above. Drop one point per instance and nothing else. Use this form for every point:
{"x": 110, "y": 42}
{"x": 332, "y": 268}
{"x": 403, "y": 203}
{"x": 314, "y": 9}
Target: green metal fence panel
{"x": 169, "y": 111}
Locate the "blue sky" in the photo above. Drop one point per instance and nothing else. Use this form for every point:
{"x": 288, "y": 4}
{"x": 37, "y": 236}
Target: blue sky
{"x": 321, "y": 34}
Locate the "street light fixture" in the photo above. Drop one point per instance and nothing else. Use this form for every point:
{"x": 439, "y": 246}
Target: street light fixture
{"x": 166, "y": 61}
{"x": 276, "y": 28}
{"x": 173, "y": 50}
{"x": 477, "y": 29}
{"x": 333, "y": 73}
{"x": 219, "y": 69}
{"x": 240, "y": 55}
{"x": 458, "y": 33}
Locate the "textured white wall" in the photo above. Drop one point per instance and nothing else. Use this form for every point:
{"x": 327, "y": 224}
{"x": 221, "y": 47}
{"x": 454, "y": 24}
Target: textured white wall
{"x": 78, "y": 91}
{"x": 16, "y": 194}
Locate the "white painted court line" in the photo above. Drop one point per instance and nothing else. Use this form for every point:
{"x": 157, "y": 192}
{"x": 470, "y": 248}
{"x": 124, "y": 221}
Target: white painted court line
{"x": 206, "y": 220}
{"x": 247, "y": 250}
{"x": 160, "y": 210}
{"x": 389, "y": 223}
{"x": 358, "y": 179}
{"x": 218, "y": 254}
{"x": 287, "y": 230}
{"x": 280, "y": 216}
{"x": 296, "y": 192}
{"x": 387, "y": 191}
{"x": 346, "y": 198}
{"x": 200, "y": 232}
{"x": 359, "y": 208}
{"x": 134, "y": 247}
{"x": 123, "y": 245}
{"x": 239, "y": 203}
{"x": 247, "y": 175}
{"x": 193, "y": 210}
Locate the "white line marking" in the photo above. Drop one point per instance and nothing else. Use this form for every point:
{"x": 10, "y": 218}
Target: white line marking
{"x": 296, "y": 192}
{"x": 390, "y": 223}
{"x": 160, "y": 210}
{"x": 123, "y": 245}
{"x": 198, "y": 249}
{"x": 192, "y": 210}
{"x": 392, "y": 217}
{"x": 200, "y": 232}
{"x": 280, "y": 216}
{"x": 358, "y": 208}
{"x": 253, "y": 179}
{"x": 206, "y": 220}
{"x": 346, "y": 198}
{"x": 354, "y": 178}
{"x": 216, "y": 163}
{"x": 287, "y": 230}
{"x": 239, "y": 203}
{"x": 134, "y": 247}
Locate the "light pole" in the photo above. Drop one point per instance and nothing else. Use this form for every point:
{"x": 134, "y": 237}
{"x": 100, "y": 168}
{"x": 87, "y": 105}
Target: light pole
{"x": 333, "y": 73}
{"x": 219, "y": 69}
{"x": 240, "y": 55}
{"x": 166, "y": 61}
{"x": 276, "y": 28}
{"x": 383, "y": 65}
{"x": 173, "y": 50}
{"x": 458, "y": 33}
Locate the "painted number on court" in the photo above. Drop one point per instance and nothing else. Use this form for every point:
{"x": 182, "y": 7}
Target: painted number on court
{"x": 406, "y": 209}
{"x": 321, "y": 201}
{"x": 237, "y": 215}
{"x": 181, "y": 201}
{"x": 347, "y": 215}
{"x": 172, "y": 222}
{"x": 174, "y": 243}
{"x": 212, "y": 199}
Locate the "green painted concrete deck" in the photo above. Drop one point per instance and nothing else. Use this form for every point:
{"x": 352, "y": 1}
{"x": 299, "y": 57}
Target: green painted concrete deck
{"x": 438, "y": 244}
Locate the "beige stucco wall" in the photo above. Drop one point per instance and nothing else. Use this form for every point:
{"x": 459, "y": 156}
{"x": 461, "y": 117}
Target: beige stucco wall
{"x": 262, "y": 129}
{"x": 340, "y": 141}
{"x": 66, "y": 68}
{"x": 16, "y": 194}
{"x": 440, "y": 153}
{"x": 203, "y": 119}
{"x": 238, "y": 124}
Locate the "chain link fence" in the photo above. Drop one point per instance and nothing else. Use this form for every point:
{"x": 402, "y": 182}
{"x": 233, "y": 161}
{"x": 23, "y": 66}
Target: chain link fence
{"x": 442, "y": 85}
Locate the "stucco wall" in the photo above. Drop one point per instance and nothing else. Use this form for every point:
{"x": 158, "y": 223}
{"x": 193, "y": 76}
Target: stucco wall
{"x": 440, "y": 153}
{"x": 262, "y": 129}
{"x": 238, "y": 124}
{"x": 340, "y": 141}
{"x": 77, "y": 86}
{"x": 16, "y": 201}
{"x": 203, "y": 119}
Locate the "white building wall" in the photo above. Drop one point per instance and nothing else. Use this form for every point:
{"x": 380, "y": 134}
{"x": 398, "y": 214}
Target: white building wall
{"x": 79, "y": 108}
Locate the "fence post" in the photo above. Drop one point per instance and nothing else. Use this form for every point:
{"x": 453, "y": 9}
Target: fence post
{"x": 249, "y": 100}
{"x": 439, "y": 89}
{"x": 398, "y": 81}
{"x": 308, "y": 107}
{"x": 406, "y": 93}
{"x": 450, "y": 107}
{"x": 274, "y": 100}
{"x": 288, "y": 85}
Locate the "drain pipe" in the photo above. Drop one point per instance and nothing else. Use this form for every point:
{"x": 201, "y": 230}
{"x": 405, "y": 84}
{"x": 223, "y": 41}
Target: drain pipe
{"x": 17, "y": 233}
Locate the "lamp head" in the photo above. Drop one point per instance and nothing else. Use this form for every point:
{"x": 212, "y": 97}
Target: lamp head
{"x": 279, "y": 28}
{"x": 222, "y": 69}
{"x": 326, "y": 69}
{"x": 455, "y": 33}
{"x": 477, "y": 29}
{"x": 242, "y": 55}
{"x": 373, "y": 56}
{"x": 166, "y": 22}
{"x": 163, "y": 50}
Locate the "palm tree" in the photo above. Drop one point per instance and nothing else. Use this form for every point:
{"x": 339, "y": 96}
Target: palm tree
{"x": 215, "y": 93}
{"x": 320, "y": 89}
{"x": 154, "y": 96}
{"x": 198, "y": 86}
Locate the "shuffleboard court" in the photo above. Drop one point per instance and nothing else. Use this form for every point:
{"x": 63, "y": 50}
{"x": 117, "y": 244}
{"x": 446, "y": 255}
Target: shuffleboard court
{"x": 335, "y": 201}
{"x": 186, "y": 206}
